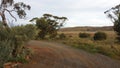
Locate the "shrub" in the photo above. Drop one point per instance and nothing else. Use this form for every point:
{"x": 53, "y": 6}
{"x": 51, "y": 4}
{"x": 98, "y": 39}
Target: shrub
{"x": 27, "y": 32}
{"x": 62, "y": 36}
{"x": 114, "y": 15}
{"x": 5, "y": 51}
{"x": 30, "y": 31}
{"x": 84, "y": 35}
{"x": 100, "y": 36}
{"x": 11, "y": 43}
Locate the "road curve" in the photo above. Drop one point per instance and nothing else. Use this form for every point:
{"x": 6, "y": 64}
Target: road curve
{"x": 56, "y": 55}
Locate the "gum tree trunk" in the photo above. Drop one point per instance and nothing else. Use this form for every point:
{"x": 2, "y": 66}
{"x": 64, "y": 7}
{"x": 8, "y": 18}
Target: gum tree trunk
{"x": 4, "y": 20}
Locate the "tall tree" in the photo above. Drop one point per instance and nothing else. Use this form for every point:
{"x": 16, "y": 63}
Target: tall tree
{"x": 10, "y": 7}
{"x": 114, "y": 15}
{"x": 49, "y": 25}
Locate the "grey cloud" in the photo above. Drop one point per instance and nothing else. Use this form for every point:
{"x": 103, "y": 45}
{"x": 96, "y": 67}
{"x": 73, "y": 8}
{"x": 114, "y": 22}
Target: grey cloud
{"x": 81, "y": 12}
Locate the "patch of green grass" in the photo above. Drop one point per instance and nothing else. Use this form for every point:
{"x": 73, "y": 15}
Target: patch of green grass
{"x": 92, "y": 48}
{"x": 107, "y": 47}
{"x": 87, "y": 47}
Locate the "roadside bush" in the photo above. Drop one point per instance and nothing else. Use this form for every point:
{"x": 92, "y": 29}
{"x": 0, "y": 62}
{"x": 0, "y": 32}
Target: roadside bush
{"x": 27, "y": 32}
{"x": 100, "y": 36}
{"x": 12, "y": 43}
{"x": 84, "y": 35}
{"x": 62, "y": 36}
{"x": 5, "y": 51}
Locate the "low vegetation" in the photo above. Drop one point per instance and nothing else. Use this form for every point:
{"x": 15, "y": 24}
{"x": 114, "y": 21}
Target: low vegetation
{"x": 12, "y": 41}
{"x": 107, "y": 47}
{"x": 62, "y": 36}
{"x": 84, "y": 35}
{"x": 100, "y": 36}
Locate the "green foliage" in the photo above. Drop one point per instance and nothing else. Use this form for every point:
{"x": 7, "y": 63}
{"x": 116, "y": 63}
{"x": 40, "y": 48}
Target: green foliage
{"x": 10, "y": 7}
{"x": 100, "y": 36}
{"x": 27, "y": 32}
{"x": 12, "y": 43}
{"x": 48, "y": 25}
{"x": 117, "y": 29}
{"x": 62, "y": 36}
{"x": 5, "y": 51}
{"x": 114, "y": 15}
{"x": 84, "y": 35}
{"x": 87, "y": 47}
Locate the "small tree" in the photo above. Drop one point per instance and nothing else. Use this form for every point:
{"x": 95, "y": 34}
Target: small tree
{"x": 9, "y": 6}
{"x": 49, "y": 25}
{"x": 114, "y": 15}
{"x": 100, "y": 36}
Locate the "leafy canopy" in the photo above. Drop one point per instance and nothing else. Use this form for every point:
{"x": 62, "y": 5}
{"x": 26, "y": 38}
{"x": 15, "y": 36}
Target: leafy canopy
{"x": 8, "y": 6}
{"x": 114, "y": 15}
{"x": 49, "y": 24}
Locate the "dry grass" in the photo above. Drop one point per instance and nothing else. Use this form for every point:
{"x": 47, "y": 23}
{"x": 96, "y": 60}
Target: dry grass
{"x": 107, "y": 47}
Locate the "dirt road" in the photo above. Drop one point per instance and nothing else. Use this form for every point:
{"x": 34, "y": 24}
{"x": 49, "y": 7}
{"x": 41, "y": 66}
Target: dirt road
{"x": 55, "y": 55}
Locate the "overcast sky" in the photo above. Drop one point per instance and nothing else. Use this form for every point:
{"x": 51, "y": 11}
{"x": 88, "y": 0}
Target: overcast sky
{"x": 79, "y": 12}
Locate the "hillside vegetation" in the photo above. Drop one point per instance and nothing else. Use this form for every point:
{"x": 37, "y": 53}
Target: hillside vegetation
{"x": 107, "y": 46}
{"x": 105, "y": 28}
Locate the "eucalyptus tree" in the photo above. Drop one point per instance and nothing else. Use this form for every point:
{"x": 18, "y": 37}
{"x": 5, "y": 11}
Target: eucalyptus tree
{"x": 11, "y": 41}
{"x": 49, "y": 25}
{"x": 10, "y": 7}
{"x": 114, "y": 15}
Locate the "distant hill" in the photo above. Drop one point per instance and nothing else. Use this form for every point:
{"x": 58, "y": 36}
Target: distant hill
{"x": 105, "y": 28}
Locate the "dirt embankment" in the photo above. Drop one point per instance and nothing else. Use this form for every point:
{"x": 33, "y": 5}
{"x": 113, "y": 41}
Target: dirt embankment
{"x": 55, "y": 55}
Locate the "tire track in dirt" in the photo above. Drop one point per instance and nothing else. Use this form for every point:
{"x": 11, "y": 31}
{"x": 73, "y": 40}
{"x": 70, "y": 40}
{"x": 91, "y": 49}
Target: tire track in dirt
{"x": 56, "y": 55}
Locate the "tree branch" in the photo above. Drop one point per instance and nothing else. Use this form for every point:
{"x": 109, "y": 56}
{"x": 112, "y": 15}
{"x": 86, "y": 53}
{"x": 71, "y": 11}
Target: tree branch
{"x": 11, "y": 14}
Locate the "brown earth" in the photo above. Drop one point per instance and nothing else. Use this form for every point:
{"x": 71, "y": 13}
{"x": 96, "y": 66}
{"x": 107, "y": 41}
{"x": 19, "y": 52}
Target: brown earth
{"x": 56, "y": 55}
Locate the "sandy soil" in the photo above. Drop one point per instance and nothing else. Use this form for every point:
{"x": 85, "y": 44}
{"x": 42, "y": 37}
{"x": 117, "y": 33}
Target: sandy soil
{"x": 56, "y": 55}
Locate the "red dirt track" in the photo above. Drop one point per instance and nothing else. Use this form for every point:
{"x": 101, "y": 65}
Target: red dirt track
{"x": 56, "y": 55}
